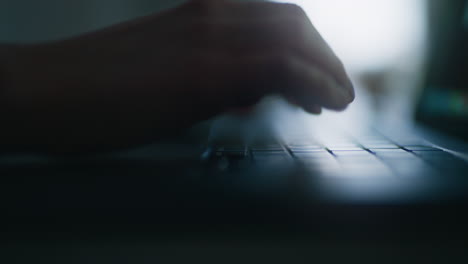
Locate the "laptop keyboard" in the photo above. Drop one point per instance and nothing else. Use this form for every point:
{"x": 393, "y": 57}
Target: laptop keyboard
{"x": 366, "y": 156}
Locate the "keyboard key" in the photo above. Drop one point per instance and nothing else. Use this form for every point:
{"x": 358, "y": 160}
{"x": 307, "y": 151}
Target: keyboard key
{"x": 279, "y": 149}
{"x": 408, "y": 141}
{"x": 380, "y": 146}
{"x": 358, "y": 153}
{"x": 371, "y": 168}
{"x": 365, "y": 164}
{"x": 394, "y": 154}
{"x": 420, "y": 148}
{"x": 376, "y": 141}
{"x": 271, "y": 160}
{"x": 344, "y": 147}
{"x": 436, "y": 154}
{"x": 359, "y": 160}
{"x": 389, "y": 151}
{"x": 266, "y": 147}
{"x": 270, "y": 153}
{"x": 306, "y": 149}
{"x": 409, "y": 168}
{"x": 305, "y": 143}
{"x": 403, "y": 163}
{"x": 326, "y": 170}
{"x": 322, "y": 164}
{"x": 319, "y": 162}
{"x": 231, "y": 152}
{"x": 361, "y": 164}
{"x": 313, "y": 155}
{"x": 369, "y": 173}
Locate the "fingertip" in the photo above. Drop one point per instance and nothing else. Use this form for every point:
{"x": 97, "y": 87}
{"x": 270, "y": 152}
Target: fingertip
{"x": 292, "y": 101}
{"x": 336, "y": 97}
{"x": 310, "y": 108}
{"x": 351, "y": 91}
{"x": 339, "y": 108}
{"x": 313, "y": 109}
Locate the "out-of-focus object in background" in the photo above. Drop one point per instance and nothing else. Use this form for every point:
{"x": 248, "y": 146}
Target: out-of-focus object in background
{"x": 367, "y": 34}
{"x": 382, "y": 44}
{"x": 444, "y": 103}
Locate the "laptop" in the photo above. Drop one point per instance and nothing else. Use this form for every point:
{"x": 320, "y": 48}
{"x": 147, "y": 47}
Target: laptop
{"x": 324, "y": 178}
{"x": 417, "y": 158}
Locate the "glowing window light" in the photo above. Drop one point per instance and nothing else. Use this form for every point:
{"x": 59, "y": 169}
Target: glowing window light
{"x": 369, "y": 34}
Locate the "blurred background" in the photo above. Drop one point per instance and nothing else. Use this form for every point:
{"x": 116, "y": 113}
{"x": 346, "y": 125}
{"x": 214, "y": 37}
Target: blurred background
{"x": 381, "y": 42}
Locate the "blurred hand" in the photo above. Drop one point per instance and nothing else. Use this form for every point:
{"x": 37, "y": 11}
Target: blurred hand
{"x": 139, "y": 81}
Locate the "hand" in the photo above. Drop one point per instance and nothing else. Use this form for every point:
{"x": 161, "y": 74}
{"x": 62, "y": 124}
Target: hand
{"x": 138, "y": 81}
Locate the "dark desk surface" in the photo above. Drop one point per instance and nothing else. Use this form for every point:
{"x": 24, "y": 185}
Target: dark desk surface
{"x": 162, "y": 201}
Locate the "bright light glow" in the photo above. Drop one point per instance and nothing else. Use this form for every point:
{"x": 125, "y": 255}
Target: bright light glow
{"x": 369, "y": 34}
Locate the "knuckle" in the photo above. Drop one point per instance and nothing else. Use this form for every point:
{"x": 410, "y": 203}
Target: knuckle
{"x": 294, "y": 28}
{"x": 294, "y": 10}
{"x": 322, "y": 81}
{"x": 283, "y": 66}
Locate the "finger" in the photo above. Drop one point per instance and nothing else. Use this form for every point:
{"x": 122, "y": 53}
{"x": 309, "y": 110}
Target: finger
{"x": 310, "y": 86}
{"x": 313, "y": 108}
{"x": 286, "y": 74}
{"x": 271, "y": 25}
